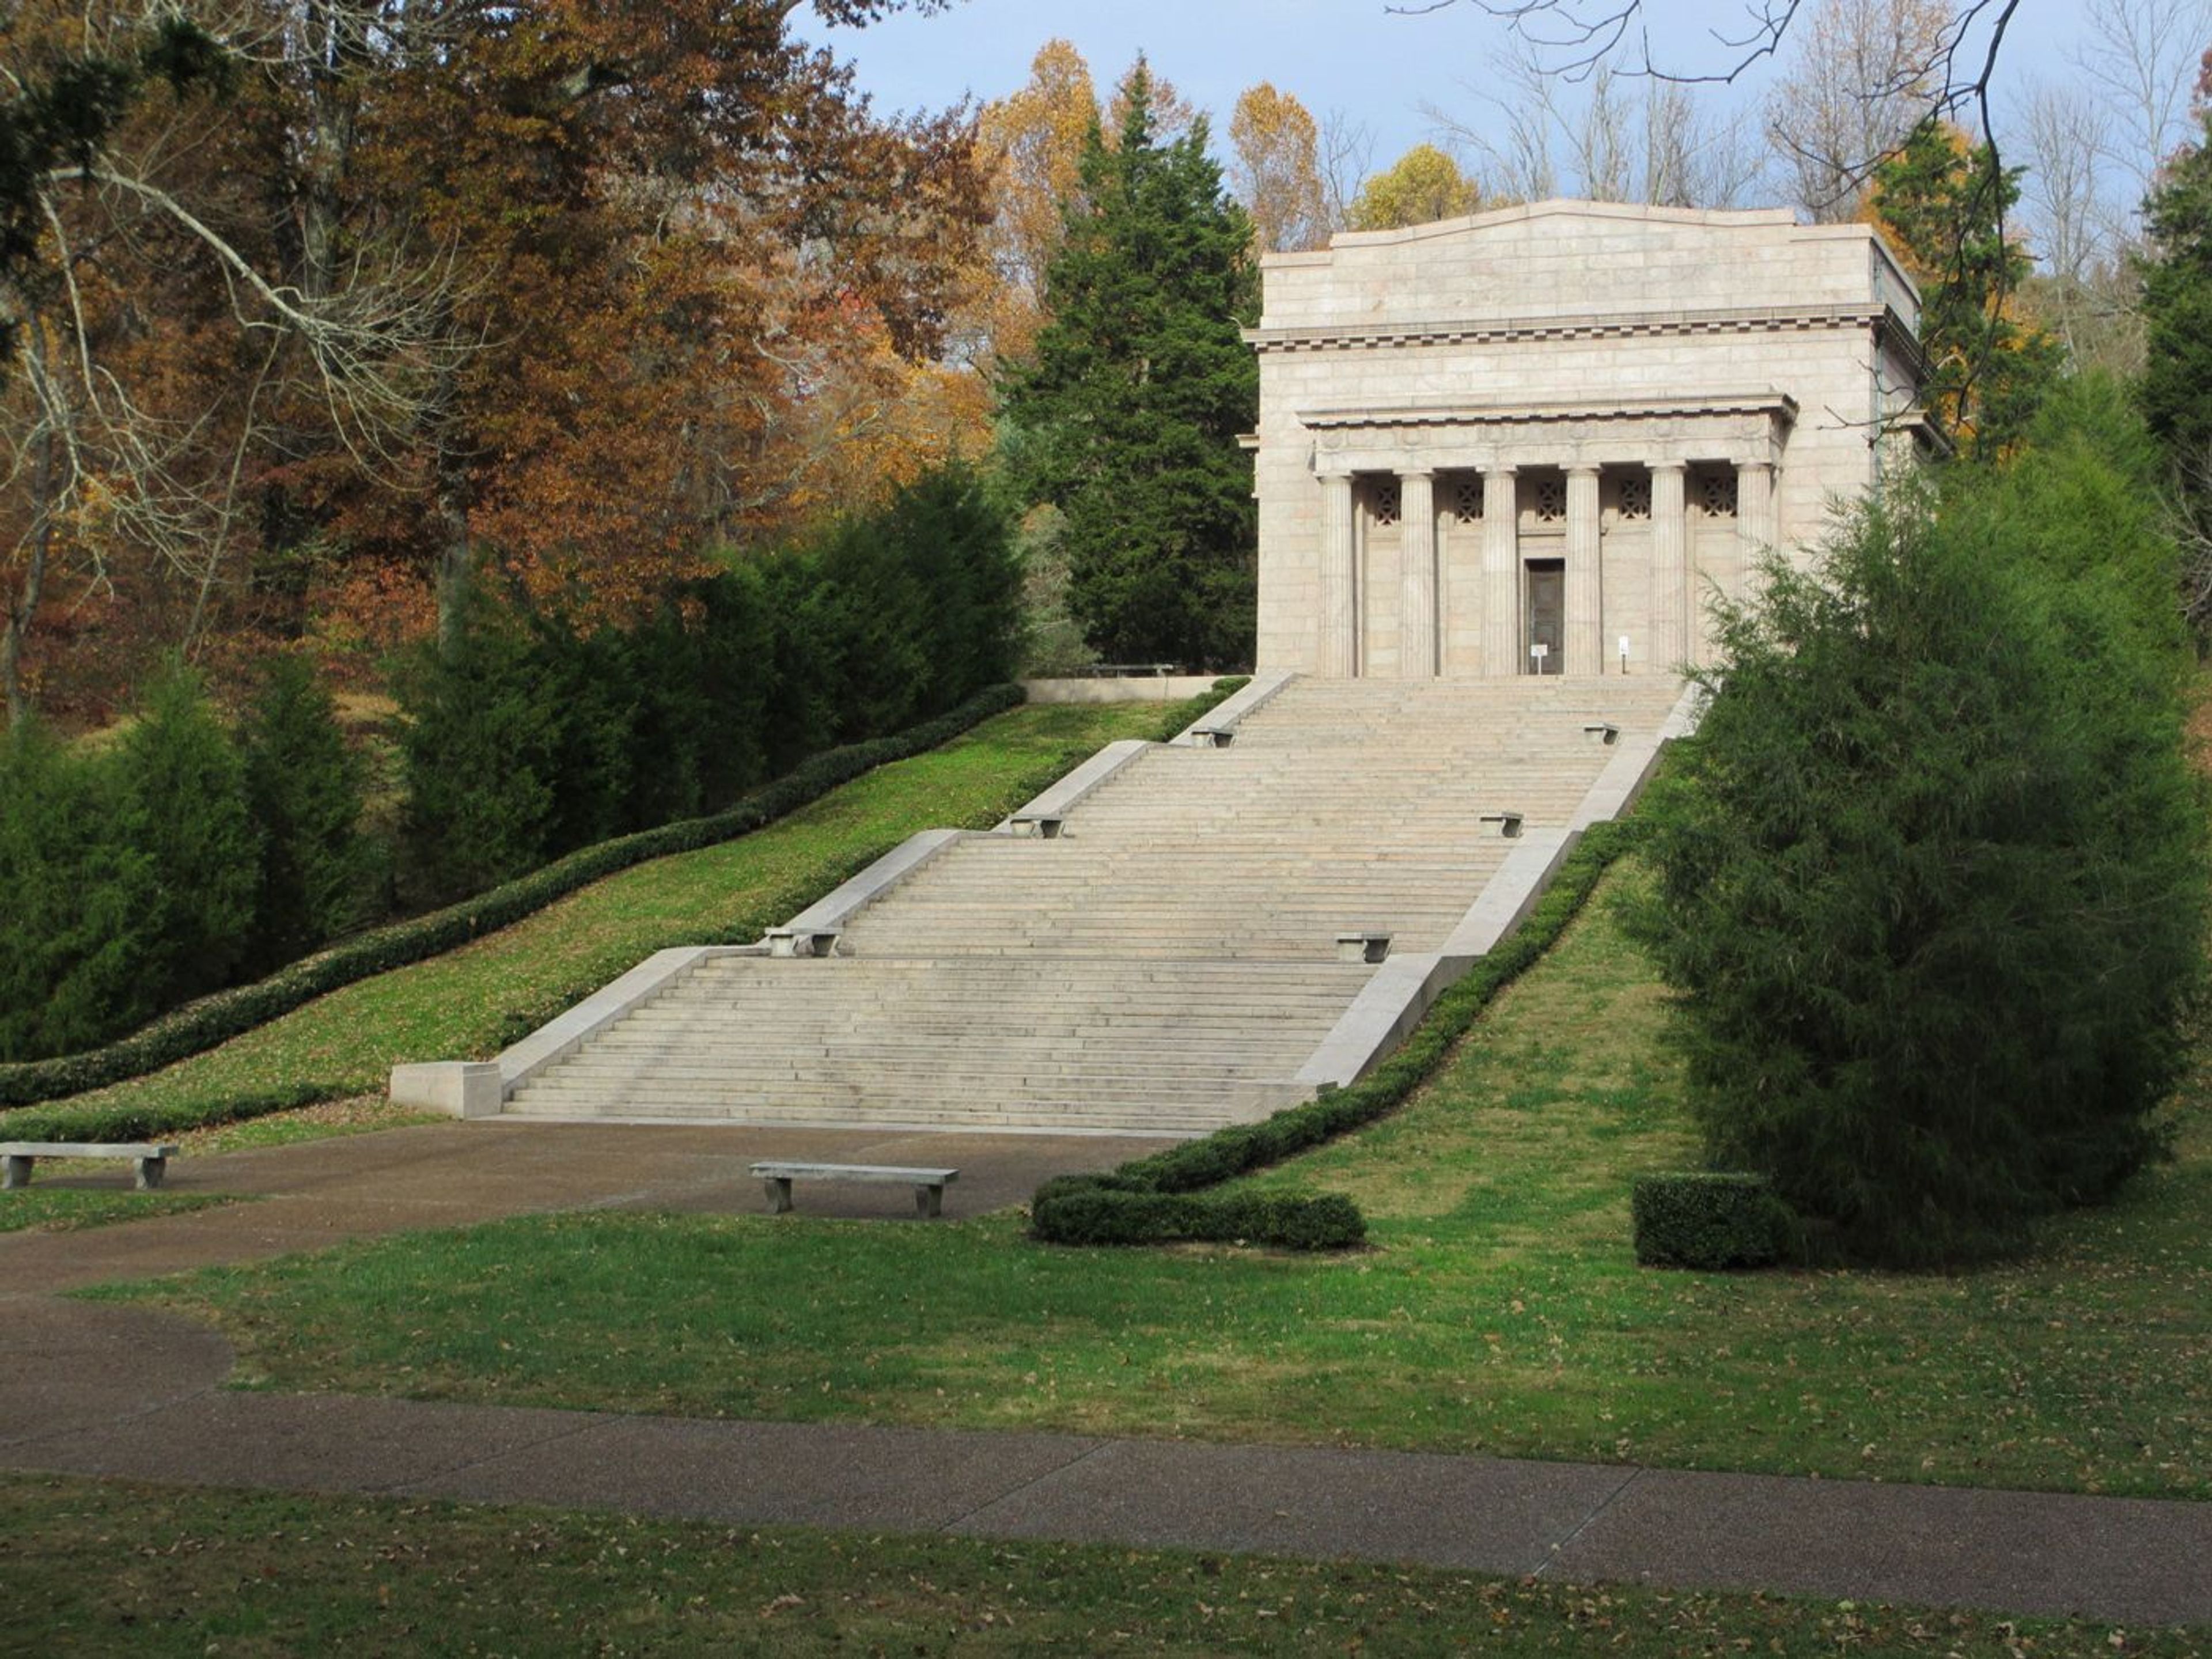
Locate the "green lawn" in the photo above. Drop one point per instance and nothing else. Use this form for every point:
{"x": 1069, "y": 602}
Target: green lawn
{"x": 66, "y": 1209}
{"x": 473, "y": 1001}
{"x": 1499, "y": 1310}
{"x": 104, "y": 1568}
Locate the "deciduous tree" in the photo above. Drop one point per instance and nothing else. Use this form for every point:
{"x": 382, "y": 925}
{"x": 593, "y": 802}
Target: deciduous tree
{"x": 1862, "y": 75}
{"x": 1942, "y": 200}
{"x": 1276, "y": 171}
{"x": 1422, "y": 185}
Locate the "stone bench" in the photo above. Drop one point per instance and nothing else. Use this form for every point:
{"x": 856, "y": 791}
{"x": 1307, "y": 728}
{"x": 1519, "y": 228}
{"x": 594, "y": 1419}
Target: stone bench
{"x": 928, "y": 1184}
{"x": 152, "y": 1158}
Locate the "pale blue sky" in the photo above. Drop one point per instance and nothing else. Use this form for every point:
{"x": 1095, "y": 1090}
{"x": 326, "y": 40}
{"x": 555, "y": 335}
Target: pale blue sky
{"x": 1377, "y": 66}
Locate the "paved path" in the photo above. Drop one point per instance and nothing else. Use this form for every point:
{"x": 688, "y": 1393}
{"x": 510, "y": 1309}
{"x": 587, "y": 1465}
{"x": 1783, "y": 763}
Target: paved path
{"x": 321, "y": 1193}
{"x": 124, "y": 1392}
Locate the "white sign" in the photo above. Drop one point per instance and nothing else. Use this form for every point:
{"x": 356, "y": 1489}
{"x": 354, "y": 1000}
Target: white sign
{"x": 1539, "y": 652}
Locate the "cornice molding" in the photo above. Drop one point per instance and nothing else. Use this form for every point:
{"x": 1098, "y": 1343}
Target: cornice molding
{"x": 1878, "y": 319}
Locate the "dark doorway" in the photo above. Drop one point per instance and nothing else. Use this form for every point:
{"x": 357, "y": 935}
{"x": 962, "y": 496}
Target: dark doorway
{"x": 1545, "y": 648}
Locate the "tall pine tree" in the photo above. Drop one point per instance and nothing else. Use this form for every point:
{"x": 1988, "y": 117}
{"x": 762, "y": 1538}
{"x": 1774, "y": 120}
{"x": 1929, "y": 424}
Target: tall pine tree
{"x": 1127, "y": 418}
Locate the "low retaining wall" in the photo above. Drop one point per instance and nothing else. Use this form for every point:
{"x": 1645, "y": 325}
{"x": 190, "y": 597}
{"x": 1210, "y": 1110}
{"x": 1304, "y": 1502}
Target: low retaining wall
{"x": 1121, "y": 688}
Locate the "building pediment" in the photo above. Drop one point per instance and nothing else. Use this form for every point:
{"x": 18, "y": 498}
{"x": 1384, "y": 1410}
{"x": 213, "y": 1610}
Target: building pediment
{"x": 1595, "y": 266}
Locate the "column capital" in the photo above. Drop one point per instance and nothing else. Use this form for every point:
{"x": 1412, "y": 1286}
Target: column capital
{"x": 1763, "y": 465}
{"x": 1417, "y": 472}
{"x": 1579, "y": 469}
{"x": 1668, "y": 466}
{"x": 1499, "y": 469}
{"x": 1332, "y": 473}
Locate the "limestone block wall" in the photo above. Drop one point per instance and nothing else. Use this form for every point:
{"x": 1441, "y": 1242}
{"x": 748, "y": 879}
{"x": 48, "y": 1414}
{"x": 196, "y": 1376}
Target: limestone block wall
{"x": 1569, "y": 336}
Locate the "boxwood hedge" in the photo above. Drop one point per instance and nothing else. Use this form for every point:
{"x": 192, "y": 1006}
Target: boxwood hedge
{"x": 1708, "y": 1220}
{"x": 201, "y": 1025}
{"x": 1131, "y": 1205}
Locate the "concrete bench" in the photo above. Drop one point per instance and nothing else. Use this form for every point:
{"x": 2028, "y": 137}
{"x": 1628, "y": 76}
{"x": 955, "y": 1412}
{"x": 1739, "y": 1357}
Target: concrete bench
{"x": 152, "y": 1158}
{"x": 928, "y": 1184}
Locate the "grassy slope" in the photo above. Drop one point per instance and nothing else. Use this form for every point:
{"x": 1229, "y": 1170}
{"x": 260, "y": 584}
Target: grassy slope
{"x": 473, "y": 1001}
{"x": 98, "y": 1569}
{"x": 1500, "y": 1312}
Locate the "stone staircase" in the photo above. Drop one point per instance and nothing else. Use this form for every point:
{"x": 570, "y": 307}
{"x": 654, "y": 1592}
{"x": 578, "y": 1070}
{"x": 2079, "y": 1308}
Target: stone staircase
{"x": 1164, "y": 963}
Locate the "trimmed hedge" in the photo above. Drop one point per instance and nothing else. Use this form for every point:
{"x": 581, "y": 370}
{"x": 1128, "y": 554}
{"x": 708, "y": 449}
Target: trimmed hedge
{"x": 1097, "y": 1209}
{"x": 1085, "y": 1213}
{"x": 144, "y": 1121}
{"x": 201, "y": 1025}
{"x": 1708, "y": 1220}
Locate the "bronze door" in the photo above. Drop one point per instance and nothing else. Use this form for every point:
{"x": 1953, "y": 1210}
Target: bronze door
{"x": 1544, "y": 649}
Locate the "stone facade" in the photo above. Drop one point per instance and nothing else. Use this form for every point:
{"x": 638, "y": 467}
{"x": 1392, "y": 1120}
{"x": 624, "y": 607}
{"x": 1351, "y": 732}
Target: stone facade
{"x": 1537, "y": 439}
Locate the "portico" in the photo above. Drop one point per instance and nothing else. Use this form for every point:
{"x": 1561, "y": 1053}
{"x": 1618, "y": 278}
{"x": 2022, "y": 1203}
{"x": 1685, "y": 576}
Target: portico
{"x": 1465, "y": 467}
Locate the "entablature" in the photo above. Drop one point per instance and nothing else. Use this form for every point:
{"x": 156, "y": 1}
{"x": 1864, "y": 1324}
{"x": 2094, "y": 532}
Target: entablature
{"x": 1439, "y": 435}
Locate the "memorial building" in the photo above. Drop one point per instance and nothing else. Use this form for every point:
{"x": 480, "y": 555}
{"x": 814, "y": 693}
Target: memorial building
{"x": 1538, "y": 439}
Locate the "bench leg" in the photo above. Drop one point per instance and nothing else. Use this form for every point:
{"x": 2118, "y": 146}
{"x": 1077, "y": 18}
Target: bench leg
{"x": 150, "y": 1171}
{"x": 18, "y": 1173}
{"x": 778, "y": 1189}
{"x": 929, "y": 1198}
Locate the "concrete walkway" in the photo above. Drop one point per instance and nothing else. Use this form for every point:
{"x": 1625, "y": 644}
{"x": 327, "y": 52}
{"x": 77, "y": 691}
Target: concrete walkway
{"x": 128, "y": 1393}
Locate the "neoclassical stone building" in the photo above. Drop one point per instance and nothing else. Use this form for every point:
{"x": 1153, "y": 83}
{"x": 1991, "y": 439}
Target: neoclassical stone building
{"x": 1536, "y": 440}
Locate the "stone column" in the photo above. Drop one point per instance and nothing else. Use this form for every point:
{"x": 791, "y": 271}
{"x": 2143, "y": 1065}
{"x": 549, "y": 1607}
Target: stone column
{"x": 1673, "y": 582}
{"x": 1585, "y": 596}
{"x": 1501, "y": 572}
{"x": 1339, "y": 611}
{"x": 1754, "y": 518}
{"x": 1417, "y": 584}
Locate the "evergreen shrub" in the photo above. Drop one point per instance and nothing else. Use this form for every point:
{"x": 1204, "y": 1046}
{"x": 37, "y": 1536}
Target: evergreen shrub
{"x": 528, "y": 737}
{"x": 184, "y": 809}
{"x": 1708, "y": 1220}
{"x": 319, "y": 872}
{"x": 1931, "y": 879}
{"x": 74, "y": 892}
{"x": 216, "y": 1018}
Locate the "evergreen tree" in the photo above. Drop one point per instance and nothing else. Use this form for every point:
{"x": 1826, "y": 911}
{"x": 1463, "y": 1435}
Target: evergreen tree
{"x": 304, "y": 785}
{"x": 1930, "y": 879}
{"x": 482, "y": 734}
{"x": 1129, "y": 417}
{"x": 188, "y": 813}
{"x": 1944, "y": 201}
{"x": 2175, "y": 268}
{"x": 74, "y": 897}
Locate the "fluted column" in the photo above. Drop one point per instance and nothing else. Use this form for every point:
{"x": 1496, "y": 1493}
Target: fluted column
{"x": 1754, "y": 518}
{"x": 1501, "y": 572}
{"x": 1674, "y": 591}
{"x": 1417, "y": 583}
{"x": 1585, "y": 598}
{"x": 1340, "y": 610}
